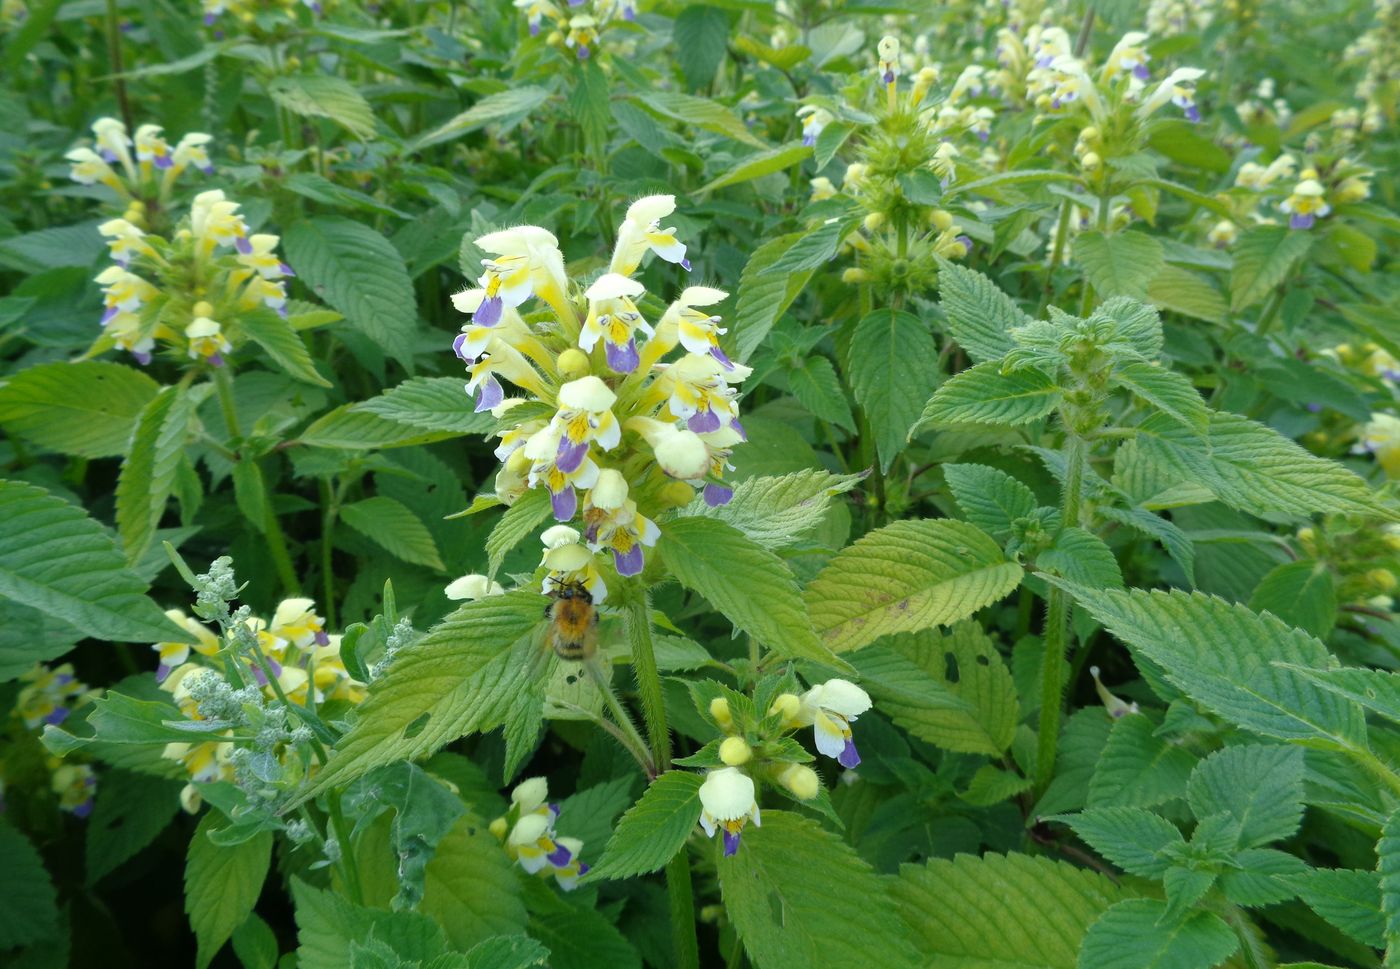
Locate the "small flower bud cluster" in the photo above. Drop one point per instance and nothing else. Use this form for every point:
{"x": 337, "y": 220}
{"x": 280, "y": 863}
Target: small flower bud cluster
{"x": 755, "y": 748}
{"x": 527, "y": 831}
{"x": 140, "y": 170}
{"x": 245, "y": 11}
{"x": 609, "y": 427}
{"x": 400, "y": 637}
{"x": 47, "y": 696}
{"x": 573, "y": 29}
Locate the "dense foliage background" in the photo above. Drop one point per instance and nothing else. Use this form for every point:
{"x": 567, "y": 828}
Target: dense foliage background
{"x": 1066, "y": 338}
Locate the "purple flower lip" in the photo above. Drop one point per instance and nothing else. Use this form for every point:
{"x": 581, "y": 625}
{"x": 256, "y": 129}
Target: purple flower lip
{"x": 489, "y": 312}
{"x": 703, "y": 421}
{"x": 489, "y": 394}
{"x": 559, "y": 857}
{"x": 630, "y": 562}
{"x": 809, "y": 140}
{"x": 1193, "y": 114}
{"x": 1141, "y": 72}
{"x": 583, "y": 52}
{"x": 738, "y": 428}
{"x": 282, "y": 267}
{"x": 622, "y": 359}
{"x": 564, "y": 503}
{"x": 848, "y": 757}
{"x": 722, "y": 357}
{"x": 457, "y": 343}
{"x": 162, "y": 671}
{"x": 321, "y": 638}
{"x": 888, "y": 78}
{"x": 570, "y": 455}
{"x": 1298, "y": 221}
{"x": 716, "y": 495}
{"x": 84, "y": 809}
{"x": 243, "y": 245}
{"x": 141, "y": 357}
{"x": 731, "y": 843}
{"x": 59, "y": 715}
{"x": 111, "y": 312}
{"x": 164, "y": 161}
{"x": 685, "y": 264}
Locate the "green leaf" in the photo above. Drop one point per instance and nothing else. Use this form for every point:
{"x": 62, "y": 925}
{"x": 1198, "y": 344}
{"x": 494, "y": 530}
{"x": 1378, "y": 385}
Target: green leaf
{"x": 984, "y": 395}
{"x": 1259, "y": 785}
{"x": 891, "y": 369}
{"x": 282, "y": 343}
{"x": 1300, "y": 593}
{"x": 1190, "y": 294}
{"x": 801, "y": 898}
{"x": 1225, "y": 657}
{"x": 705, "y": 555}
{"x": 980, "y": 317}
{"x": 520, "y": 519}
{"x": 1133, "y": 935}
{"x": 255, "y": 944}
{"x": 471, "y": 887}
{"x": 815, "y": 384}
{"x": 907, "y": 576}
{"x": 758, "y": 165}
{"x": 329, "y": 925}
{"x": 951, "y": 689}
{"x": 582, "y": 938}
{"x": 128, "y": 812}
{"x": 394, "y": 528}
{"x": 351, "y": 428}
{"x": 360, "y": 273}
{"x": 471, "y": 672}
{"x": 1132, "y": 838}
{"x": 990, "y": 785}
{"x": 764, "y": 294}
{"x": 776, "y": 512}
{"x": 88, "y": 409}
{"x": 28, "y": 904}
{"x": 991, "y": 499}
{"x": 1257, "y": 470}
{"x": 700, "y": 112}
{"x": 1000, "y": 911}
{"x": 653, "y": 829}
{"x": 432, "y": 403}
{"x": 222, "y": 883}
{"x": 700, "y": 33}
{"x": 1260, "y": 878}
{"x": 1377, "y": 690}
{"x": 148, "y": 473}
{"x": 1081, "y": 557}
{"x": 1388, "y": 853}
{"x": 1137, "y": 768}
{"x": 56, "y": 559}
{"x": 1172, "y": 538}
{"x": 1350, "y": 900}
{"x": 424, "y": 811}
{"x": 325, "y": 96}
{"x": 1120, "y": 265}
{"x": 814, "y": 249}
{"x": 507, "y": 107}
{"x": 1263, "y": 256}
{"x": 589, "y": 102}
{"x": 507, "y": 952}
{"x": 1169, "y": 392}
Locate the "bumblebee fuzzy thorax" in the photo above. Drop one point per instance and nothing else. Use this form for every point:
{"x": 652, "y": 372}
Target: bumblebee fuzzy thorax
{"x": 573, "y": 622}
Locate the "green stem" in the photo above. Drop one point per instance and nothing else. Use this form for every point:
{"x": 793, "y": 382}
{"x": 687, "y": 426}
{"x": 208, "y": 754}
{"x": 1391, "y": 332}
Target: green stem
{"x": 632, "y": 739}
{"x": 329, "y": 510}
{"x": 1057, "y": 632}
{"x": 1382, "y": 772}
{"x": 1270, "y": 314}
{"x": 114, "y": 54}
{"x": 1056, "y": 257}
{"x": 687, "y": 948}
{"x": 349, "y": 867}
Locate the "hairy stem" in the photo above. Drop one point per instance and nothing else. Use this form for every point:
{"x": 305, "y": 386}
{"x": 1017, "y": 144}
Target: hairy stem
{"x": 1057, "y": 632}
{"x": 627, "y": 731}
{"x": 349, "y": 867}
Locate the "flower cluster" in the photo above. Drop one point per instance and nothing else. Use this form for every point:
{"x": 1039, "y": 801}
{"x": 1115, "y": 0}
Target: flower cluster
{"x": 1262, "y": 192}
{"x": 578, "y": 25}
{"x": 188, "y": 292}
{"x": 141, "y": 170}
{"x": 48, "y": 696}
{"x": 238, "y": 689}
{"x": 527, "y": 830}
{"x": 756, "y": 746}
{"x": 1379, "y": 49}
{"x": 245, "y": 11}
{"x": 613, "y": 432}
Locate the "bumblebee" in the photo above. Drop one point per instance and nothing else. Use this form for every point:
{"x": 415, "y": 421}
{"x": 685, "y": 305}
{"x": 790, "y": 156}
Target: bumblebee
{"x": 573, "y": 622}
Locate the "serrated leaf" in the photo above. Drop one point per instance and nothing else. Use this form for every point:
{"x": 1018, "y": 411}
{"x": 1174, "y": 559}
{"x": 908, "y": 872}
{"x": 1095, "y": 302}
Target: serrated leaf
{"x": 148, "y": 473}
{"x": 1260, "y": 878}
{"x": 471, "y": 672}
{"x": 222, "y": 882}
{"x": 979, "y": 315}
{"x": 56, "y": 559}
{"x": 1348, "y": 899}
{"x": 756, "y": 166}
{"x": 520, "y": 519}
{"x": 783, "y": 914}
{"x": 1132, "y": 838}
{"x": 588, "y": 102}
{"x": 1081, "y": 557}
{"x": 1169, "y": 392}
{"x": 1388, "y": 867}
{"x": 950, "y": 689}
{"x": 88, "y": 409}
{"x": 507, "y": 952}
{"x": 282, "y": 343}
{"x": 890, "y": 367}
{"x": 1224, "y": 657}
{"x": 815, "y": 384}
{"x": 394, "y": 528}
{"x": 984, "y": 395}
{"x": 128, "y": 812}
{"x": 583, "y": 938}
{"x": 764, "y": 294}
{"x": 1004, "y": 911}
{"x": 255, "y": 944}
{"x": 1178, "y": 545}
{"x": 1263, "y": 256}
{"x": 1190, "y": 294}
{"x": 777, "y": 511}
{"x": 432, "y": 403}
{"x": 1377, "y": 690}
{"x": 471, "y": 888}
{"x": 1137, "y": 768}
{"x": 325, "y": 96}
{"x": 1118, "y": 265}
{"x": 700, "y": 34}
{"x": 705, "y": 555}
{"x": 360, "y": 273}
{"x": 907, "y": 576}
{"x": 991, "y": 785}
{"x": 991, "y": 499}
{"x": 1260, "y": 786}
{"x": 1300, "y": 593}
{"x": 813, "y": 249}
{"x": 507, "y": 107}
{"x": 349, "y": 428}
{"x": 329, "y": 925}
{"x": 1131, "y": 935}
{"x": 700, "y": 112}
{"x": 1254, "y": 468}
{"x": 654, "y": 829}
{"x": 28, "y": 904}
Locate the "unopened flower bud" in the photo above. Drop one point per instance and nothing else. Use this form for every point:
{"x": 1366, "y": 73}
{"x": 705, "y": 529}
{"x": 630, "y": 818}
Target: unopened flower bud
{"x": 874, "y": 220}
{"x": 1383, "y": 579}
{"x": 472, "y": 588}
{"x": 942, "y": 219}
{"x": 1091, "y": 161}
{"x": 1089, "y": 135}
{"x": 677, "y": 494}
{"x": 735, "y": 751}
{"x": 498, "y": 828}
{"x": 202, "y": 309}
{"x": 787, "y": 704}
{"x": 719, "y": 711}
{"x": 801, "y": 780}
{"x": 572, "y": 363}
{"x": 854, "y": 274}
